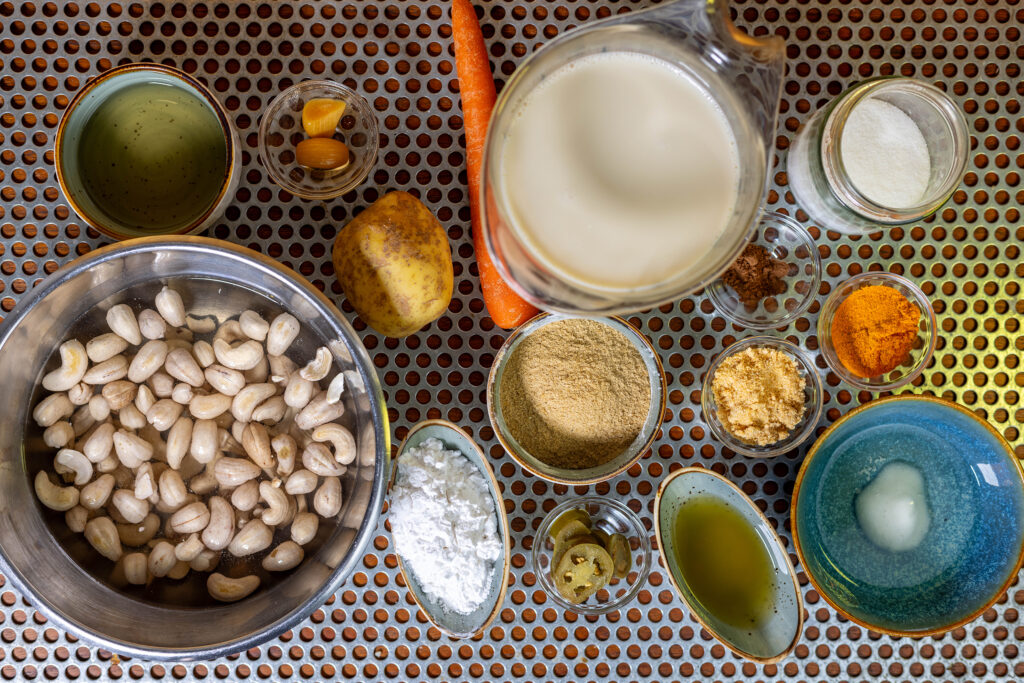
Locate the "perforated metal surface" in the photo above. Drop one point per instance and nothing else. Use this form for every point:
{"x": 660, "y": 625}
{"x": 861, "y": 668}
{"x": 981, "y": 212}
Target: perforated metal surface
{"x": 398, "y": 53}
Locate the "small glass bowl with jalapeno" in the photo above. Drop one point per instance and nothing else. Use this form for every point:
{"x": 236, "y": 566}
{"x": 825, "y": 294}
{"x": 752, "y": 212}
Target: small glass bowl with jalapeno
{"x": 592, "y": 555}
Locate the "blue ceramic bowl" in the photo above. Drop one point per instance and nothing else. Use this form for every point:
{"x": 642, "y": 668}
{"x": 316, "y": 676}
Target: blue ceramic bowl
{"x": 975, "y": 506}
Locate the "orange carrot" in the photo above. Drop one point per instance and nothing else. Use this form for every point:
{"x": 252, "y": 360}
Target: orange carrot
{"x": 476, "y": 86}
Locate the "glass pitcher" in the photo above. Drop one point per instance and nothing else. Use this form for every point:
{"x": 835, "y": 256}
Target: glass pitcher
{"x": 742, "y": 74}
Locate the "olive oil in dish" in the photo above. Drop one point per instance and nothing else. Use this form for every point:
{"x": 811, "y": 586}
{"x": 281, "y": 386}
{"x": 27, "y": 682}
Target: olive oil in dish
{"x": 724, "y": 562}
{"x": 153, "y": 157}
{"x": 621, "y": 171}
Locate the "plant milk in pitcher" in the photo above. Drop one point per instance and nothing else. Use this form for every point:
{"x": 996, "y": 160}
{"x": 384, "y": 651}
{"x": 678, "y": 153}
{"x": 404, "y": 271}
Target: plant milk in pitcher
{"x": 621, "y": 169}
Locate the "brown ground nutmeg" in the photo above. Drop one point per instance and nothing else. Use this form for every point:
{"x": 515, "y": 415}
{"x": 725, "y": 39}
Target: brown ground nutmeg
{"x": 755, "y": 275}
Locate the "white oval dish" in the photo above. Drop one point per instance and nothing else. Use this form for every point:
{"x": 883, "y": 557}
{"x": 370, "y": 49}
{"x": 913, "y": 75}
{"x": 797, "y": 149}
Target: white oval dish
{"x": 454, "y": 624}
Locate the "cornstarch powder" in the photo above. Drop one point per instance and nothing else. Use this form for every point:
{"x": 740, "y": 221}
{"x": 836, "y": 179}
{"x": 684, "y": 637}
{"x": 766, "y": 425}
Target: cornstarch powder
{"x": 445, "y": 526}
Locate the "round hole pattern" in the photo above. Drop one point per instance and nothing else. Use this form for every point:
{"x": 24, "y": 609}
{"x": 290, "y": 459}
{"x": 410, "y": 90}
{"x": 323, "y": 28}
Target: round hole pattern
{"x": 398, "y": 55}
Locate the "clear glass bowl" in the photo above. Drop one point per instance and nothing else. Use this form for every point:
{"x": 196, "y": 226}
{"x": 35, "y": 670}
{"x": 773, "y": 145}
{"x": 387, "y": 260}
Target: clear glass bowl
{"x": 920, "y": 354}
{"x": 789, "y": 242}
{"x": 812, "y": 399}
{"x": 281, "y": 130}
{"x": 610, "y": 516}
{"x": 616, "y": 465}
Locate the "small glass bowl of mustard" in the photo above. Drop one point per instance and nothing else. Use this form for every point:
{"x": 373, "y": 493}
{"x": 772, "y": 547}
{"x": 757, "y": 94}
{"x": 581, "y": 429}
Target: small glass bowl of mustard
{"x": 607, "y": 518}
{"x": 920, "y": 353}
{"x": 281, "y": 131}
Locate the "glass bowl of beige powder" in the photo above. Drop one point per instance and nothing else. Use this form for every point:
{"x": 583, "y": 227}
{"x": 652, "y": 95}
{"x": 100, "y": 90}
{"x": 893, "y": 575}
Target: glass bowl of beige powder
{"x": 576, "y": 400}
{"x": 762, "y": 397}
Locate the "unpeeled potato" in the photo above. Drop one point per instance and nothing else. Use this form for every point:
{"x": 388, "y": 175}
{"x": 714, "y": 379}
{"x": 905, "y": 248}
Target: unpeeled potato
{"x": 395, "y": 265}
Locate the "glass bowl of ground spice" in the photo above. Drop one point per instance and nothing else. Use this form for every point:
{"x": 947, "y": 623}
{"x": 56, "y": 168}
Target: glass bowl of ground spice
{"x": 774, "y": 280}
{"x": 576, "y": 400}
{"x": 762, "y": 397}
{"x": 877, "y": 331}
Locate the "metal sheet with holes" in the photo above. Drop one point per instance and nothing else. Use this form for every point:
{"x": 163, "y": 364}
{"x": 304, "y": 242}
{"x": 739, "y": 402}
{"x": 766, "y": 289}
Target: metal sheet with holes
{"x": 398, "y": 53}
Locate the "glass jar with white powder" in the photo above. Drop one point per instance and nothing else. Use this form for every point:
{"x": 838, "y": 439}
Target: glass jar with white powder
{"x": 886, "y": 152}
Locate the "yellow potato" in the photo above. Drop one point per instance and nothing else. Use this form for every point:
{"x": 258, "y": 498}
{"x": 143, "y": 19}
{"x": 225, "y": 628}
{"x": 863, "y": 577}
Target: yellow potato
{"x": 395, "y": 264}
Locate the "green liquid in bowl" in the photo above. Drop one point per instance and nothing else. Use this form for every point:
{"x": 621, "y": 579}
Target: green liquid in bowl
{"x": 153, "y": 157}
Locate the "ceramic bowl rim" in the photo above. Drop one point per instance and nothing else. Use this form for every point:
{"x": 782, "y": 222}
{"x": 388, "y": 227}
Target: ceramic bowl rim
{"x": 198, "y": 89}
{"x": 693, "y": 469}
{"x": 714, "y": 287}
{"x": 643, "y": 573}
{"x": 794, "y": 525}
{"x": 817, "y": 393}
{"x": 506, "y": 535}
{"x": 499, "y": 361}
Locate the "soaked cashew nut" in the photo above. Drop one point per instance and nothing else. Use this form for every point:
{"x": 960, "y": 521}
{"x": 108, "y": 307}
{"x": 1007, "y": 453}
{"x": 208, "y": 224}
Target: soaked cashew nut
{"x": 225, "y": 589}
{"x": 258, "y": 373}
{"x": 191, "y": 518}
{"x": 119, "y": 394}
{"x": 144, "y": 399}
{"x": 279, "y": 504}
{"x": 104, "y": 347}
{"x": 316, "y": 369}
{"x": 108, "y": 371}
{"x": 102, "y": 536}
{"x": 171, "y": 486}
{"x": 131, "y": 450}
{"x": 73, "y": 364}
{"x": 204, "y": 483}
{"x": 183, "y": 393}
{"x": 225, "y": 380}
{"x": 244, "y": 356}
{"x": 137, "y": 535}
{"x": 285, "y": 449}
{"x": 203, "y": 351}
{"x": 336, "y": 388}
{"x": 151, "y": 324}
{"x": 150, "y": 358}
{"x": 121, "y": 321}
{"x": 59, "y": 434}
{"x": 161, "y": 383}
{"x": 136, "y": 568}
{"x": 252, "y": 538}
{"x": 76, "y": 518}
{"x": 72, "y": 461}
{"x": 270, "y": 411}
{"x": 82, "y": 420}
{"x": 180, "y": 365}
{"x": 178, "y": 571}
{"x": 339, "y": 437}
{"x": 179, "y": 438}
{"x": 319, "y": 412}
{"x": 59, "y": 498}
{"x": 283, "y": 331}
{"x": 209, "y": 406}
{"x": 145, "y": 481}
{"x": 281, "y": 368}
{"x": 253, "y": 325}
{"x": 256, "y": 442}
{"x": 231, "y": 332}
{"x": 286, "y": 556}
{"x": 190, "y": 548}
{"x": 231, "y": 472}
{"x": 206, "y": 561}
{"x": 164, "y": 413}
{"x": 317, "y": 458}
{"x": 80, "y": 394}
{"x": 248, "y": 398}
{"x": 218, "y": 533}
{"x": 245, "y": 497}
{"x": 301, "y": 482}
{"x": 298, "y": 392}
{"x": 52, "y": 408}
{"x": 204, "y": 441}
{"x": 327, "y": 500}
{"x": 96, "y": 493}
{"x": 99, "y": 408}
{"x": 171, "y": 307}
{"x": 131, "y": 508}
{"x": 304, "y": 527}
{"x": 161, "y": 559}
{"x": 131, "y": 418}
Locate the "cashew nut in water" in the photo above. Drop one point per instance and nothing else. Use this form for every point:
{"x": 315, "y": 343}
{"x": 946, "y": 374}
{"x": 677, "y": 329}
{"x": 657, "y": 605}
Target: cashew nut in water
{"x": 164, "y": 414}
{"x": 122, "y": 322}
{"x": 270, "y": 411}
{"x": 102, "y": 536}
{"x": 131, "y": 508}
{"x": 131, "y": 450}
{"x": 301, "y": 482}
{"x": 206, "y": 561}
{"x": 179, "y": 438}
{"x": 144, "y": 399}
{"x": 161, "y": 383}
{"x": 183, "y": 367}
{"x": 252, "y": 538}
{"x": 131, "y": 418}
{"x": 316, "y": 369}
{"x": 52, "y": 408}
{"x": 319, "y": 412}
{"x": 151, "y": 324}
{"x": 59, "y": 435}
{"x": 304, "y": 527}
{"x": 178, "y": 571}
{"x": 225, "y": 589}
{"x": 136, "y": 568}
{"x": 96, "y": 493}
{"x": 150, "y": 358}
{"x": 161, "y": 559}
{"x": 170, "y": 306}
{"x": 317, "y": 458}
{"x": 204, "y": 483}
{"x": 286, "y": 556}
{"x": 99, "y": 408}
{"x": 183, "y": 393}
{"x": 244, "y": 356}
{"x": 73, "y": 364}
{"x": 283, "y": 331}
{"x": 298, "y": 392}
{"x": 248, "y": 398}
{"x": 104, "y": 347}
{"x": 231, "y": 472}
{"x": 145, "y": 481}
{"x": 218, "y": 533}
{"x": 279, "y": 506}
{"x": 119, "y": 394}
{"x": 204, "y": 440}
{"x": 285, "y": 449}
{"x": 60, "y": 498}
{"x": 172, "y": 489}
{"x": 231, "y": 332}
{"x": 137, "y": 535}
{"x": 327, "y": 500}
{"x": 69, "y": 460}
{"x": 281, "y": 368}
{"x": 193, "y": 517}
{"x": 225, "y": 380}
{"x": 336, "y": 388}
{"x": 108, "y": 371}
{"x": 259, "y": 372}
{"x": 80, "y": 394}
{"x": 256, "y": 442}
{"x": 190, "y": 548}
{"x": 245, "y": 497}
{"x": 76, "y": 518}
{"x": 339, "y": 437}
{"x": 253, "y": 325}
{"x": 108, "y": 464}
{"x": 81, "y": 420}
{"x": 209, "y": 406}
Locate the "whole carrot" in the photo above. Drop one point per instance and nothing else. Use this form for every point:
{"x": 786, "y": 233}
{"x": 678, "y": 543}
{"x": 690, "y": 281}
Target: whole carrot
{"x": 476, "y": 86}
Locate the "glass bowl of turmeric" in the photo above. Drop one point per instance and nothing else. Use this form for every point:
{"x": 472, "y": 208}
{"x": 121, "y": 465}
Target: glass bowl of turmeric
{"x": 877, "y": 331}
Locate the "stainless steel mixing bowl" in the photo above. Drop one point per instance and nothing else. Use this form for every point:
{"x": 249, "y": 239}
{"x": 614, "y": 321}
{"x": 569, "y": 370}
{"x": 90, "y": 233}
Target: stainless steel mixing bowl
{"x": 41, "y": 556}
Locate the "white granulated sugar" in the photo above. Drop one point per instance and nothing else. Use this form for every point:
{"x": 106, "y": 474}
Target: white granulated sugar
{"x": 885, "y": 154}
{"x": 445, "y": 526}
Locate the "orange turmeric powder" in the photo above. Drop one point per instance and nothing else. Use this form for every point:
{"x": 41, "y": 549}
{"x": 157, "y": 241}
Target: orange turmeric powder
{"x": 874, "y": 329}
